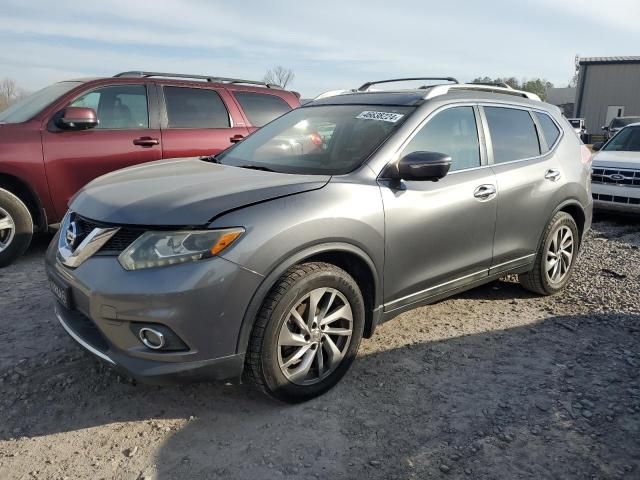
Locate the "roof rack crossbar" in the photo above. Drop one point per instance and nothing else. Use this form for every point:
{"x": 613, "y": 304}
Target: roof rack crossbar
{"x": 208, "y": 78}
{"x": 443, "y": 89}
{"x": 364, "y": 87}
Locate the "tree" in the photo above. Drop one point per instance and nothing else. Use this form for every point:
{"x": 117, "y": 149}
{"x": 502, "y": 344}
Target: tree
{"x": 279, "y": 75}
{"x": 538, "y": 86}
{"x": 9, "y": 93}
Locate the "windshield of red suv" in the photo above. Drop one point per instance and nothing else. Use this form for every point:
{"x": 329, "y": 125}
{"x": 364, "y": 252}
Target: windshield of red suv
{"x": 33, "y": 104}
{"x": 628, "y": 140}
{"x": 324, "y": 140}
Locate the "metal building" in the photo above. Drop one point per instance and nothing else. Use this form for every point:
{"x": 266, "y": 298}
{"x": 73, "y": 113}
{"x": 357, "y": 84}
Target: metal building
{"x": 564, "y": 98}
{"x": 608, "y": 87}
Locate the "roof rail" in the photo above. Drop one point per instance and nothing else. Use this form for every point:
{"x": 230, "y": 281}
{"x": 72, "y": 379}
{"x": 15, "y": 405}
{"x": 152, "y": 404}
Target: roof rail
{"x": 365, "y": 87}
{"x": 208, "y": 78}
{"x": 438, "y": 90}
{"x": 332, "y": 93}
{"x": 494, "y": 84}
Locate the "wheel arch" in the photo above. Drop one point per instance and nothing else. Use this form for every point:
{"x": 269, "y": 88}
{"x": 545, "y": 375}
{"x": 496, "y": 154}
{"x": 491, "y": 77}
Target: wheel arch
{"x": 350, "y": 258}
{"x": 573, "y": 208}
{"x": 23, "y": 191}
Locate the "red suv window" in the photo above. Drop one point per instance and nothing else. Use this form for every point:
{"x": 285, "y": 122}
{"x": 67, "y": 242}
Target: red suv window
{"x": 261, "y": 109}
{"x": 195, "y": 108}
{"x": 118, "y": 106}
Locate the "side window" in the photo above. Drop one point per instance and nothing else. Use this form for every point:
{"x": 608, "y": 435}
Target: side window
{"x": 513, "y": 134}
{"x": 260, "y": 109}
{"x": 452, "y": 131}
{"x": 118, "y": 106}
{"x": 549, "y": 128}
{"x": 195, "y": 108}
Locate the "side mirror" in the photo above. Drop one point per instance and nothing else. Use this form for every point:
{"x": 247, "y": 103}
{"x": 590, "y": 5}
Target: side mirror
{"x": 597, "y": 146}
{"x": 420, "y": 166}
{"x": 605, "y": 128}
{"x": 78, "y": 118}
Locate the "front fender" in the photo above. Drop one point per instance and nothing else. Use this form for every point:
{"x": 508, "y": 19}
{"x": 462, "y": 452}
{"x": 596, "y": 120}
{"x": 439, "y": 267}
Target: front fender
{"x": 340, "y": 217}
{"x": 270, "y": 280}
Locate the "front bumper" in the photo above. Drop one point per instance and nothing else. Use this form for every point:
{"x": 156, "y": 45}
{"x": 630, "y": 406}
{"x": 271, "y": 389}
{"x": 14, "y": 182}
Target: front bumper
{"x": 202, "y": 303}
{"x": 618, "y": 198}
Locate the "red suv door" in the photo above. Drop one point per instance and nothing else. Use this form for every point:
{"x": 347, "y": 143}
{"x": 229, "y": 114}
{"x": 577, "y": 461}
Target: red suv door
{"x": 124, "y": 136}
{"x": 198, "y": 121}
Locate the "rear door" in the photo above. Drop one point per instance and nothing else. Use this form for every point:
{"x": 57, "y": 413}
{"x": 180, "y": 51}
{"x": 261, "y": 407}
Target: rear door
{"x": 124, "y": 136}
{"x": 198, "y": 121}
{"x": 439, "y": 235}
{"x": 527, "y": 175}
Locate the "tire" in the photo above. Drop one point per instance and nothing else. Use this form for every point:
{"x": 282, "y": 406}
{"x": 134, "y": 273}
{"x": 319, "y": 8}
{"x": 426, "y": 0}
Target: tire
{"x": 15, "y": 239}
{"x": 277, "y": 337}
{"x": 546, "y": 279}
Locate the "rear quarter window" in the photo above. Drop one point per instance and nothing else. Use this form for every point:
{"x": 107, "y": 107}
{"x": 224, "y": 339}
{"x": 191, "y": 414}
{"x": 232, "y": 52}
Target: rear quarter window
{"x": 260, "y": 108}
{"x": 513, "y": 134}
{"x": 549, "y": 129}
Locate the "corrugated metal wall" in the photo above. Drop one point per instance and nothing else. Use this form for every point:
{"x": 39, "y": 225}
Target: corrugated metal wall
{"x": 608, "y": 84}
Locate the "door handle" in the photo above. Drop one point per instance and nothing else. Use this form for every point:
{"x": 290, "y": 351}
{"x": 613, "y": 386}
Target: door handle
{"x": 485, "y": 192}
{"x": 236, "y": 138}
{"x": 552, "y": 175}
{"x": 146, "y": 142}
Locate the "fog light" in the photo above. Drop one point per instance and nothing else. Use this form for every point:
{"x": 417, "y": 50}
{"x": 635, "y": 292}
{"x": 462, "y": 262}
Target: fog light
{"x": 151, "y": 338}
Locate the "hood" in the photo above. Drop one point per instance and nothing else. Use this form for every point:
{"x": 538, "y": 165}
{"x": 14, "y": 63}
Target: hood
{"x": 617, "y": 159}
{"x": 183, "y": 192}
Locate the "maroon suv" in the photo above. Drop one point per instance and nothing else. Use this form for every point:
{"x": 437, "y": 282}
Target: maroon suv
{"x": 58, "y": 139}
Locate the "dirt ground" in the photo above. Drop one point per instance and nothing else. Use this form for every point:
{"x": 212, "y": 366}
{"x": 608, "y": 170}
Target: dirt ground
{"x": 495, "y": 383}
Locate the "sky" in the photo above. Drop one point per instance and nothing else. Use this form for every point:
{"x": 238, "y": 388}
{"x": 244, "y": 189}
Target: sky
{"x": 329, "y": 44}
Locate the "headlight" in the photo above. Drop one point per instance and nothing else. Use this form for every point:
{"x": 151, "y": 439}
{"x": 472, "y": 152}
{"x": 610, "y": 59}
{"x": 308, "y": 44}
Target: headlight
{"x": 157, "y": 249}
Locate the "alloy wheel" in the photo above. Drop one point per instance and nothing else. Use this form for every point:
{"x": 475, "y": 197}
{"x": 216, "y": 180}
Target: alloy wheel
{"x": 559, "y": 255}
{"x": 7, "y": 229}
{"x": 315, "y": 336}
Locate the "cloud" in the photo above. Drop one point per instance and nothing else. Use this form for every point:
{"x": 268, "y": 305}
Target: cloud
{"x": 334, "y": 44}
{"x": 610, "y": 15}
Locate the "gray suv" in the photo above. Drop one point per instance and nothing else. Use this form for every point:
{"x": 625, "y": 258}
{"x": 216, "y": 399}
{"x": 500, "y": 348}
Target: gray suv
{"x": 272, "y": 263}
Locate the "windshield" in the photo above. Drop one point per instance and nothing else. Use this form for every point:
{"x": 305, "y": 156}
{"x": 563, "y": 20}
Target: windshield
{"x": 30, "y": 106}
{"x": 623, "y": 122}
{"x": 627, "y": 140}
{"x": 331, "y": 139}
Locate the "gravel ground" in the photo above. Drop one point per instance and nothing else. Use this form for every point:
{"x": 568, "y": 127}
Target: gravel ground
{"x": 493, "y": 383}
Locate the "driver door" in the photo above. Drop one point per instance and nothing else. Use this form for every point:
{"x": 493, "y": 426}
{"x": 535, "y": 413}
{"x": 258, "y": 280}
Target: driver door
{"x": 439, "y": 235}
{"x": 124, "y": 136}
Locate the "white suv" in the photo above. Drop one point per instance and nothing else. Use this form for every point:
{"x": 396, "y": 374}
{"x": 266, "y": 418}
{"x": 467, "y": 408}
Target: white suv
{"x": 616, "y": 172}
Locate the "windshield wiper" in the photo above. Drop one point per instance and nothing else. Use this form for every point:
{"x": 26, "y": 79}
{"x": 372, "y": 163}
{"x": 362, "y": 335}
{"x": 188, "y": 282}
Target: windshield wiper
{"x": 210, "y": 159}
{"x": 255, "y": 167}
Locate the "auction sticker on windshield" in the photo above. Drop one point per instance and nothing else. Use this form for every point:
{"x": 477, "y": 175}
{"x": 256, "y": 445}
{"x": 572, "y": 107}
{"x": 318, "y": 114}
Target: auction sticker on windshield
{"x": 383, "y": 116}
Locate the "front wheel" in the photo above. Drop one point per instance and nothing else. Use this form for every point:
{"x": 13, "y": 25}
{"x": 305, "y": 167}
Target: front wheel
{"x": 307, "y": 333}
{"x": 555, "y": 258}
{"x": 16, "y": 227}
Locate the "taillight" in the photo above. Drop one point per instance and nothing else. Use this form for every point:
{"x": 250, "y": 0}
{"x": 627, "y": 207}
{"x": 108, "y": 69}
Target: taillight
{"x": 586, "y": 155}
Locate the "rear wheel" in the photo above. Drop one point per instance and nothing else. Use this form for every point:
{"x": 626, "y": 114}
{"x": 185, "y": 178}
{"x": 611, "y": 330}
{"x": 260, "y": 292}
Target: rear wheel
{"x": 556, "y": 257}
{"x": 307, "y": 333}
{"x": 16, "y": 227}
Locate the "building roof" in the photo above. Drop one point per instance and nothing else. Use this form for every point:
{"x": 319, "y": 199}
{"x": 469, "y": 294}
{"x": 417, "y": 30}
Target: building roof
{"x": 561, "y": 96}
{"x": 602, "y": 60}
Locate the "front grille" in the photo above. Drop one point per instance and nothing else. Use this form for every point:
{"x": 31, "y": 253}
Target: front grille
{"x": 616, "y": 199}
{"x": 116, "y": 244}
{"x": 626, "y": 177}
